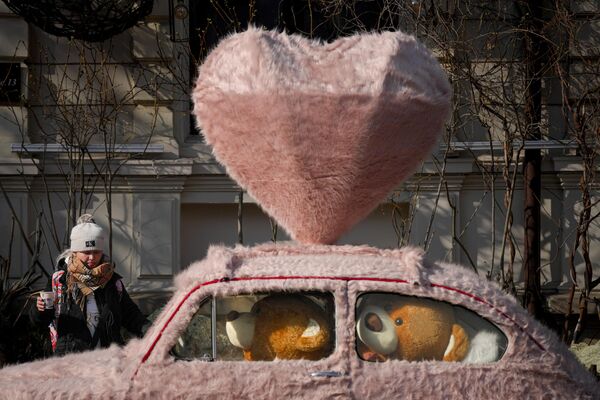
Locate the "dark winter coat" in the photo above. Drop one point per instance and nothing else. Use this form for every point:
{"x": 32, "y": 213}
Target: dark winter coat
{"x": 116, "y": 310}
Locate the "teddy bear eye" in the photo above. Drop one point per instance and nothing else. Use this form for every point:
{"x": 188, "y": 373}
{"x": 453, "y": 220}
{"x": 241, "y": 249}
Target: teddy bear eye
{"x": 398, "y": 321}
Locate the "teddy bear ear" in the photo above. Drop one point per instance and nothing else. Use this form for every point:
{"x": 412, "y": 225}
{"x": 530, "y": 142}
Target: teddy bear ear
{"x": 314, "y": 337}
{"x": 458, "y": 346}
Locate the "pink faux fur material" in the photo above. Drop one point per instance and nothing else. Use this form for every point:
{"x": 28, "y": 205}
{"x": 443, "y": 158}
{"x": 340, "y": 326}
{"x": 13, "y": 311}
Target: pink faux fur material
{"x": 534, "y": 354}
{"x": 535, "y": 365}
{"x": 93, "y": 375}
{"x": 318, "y": 133}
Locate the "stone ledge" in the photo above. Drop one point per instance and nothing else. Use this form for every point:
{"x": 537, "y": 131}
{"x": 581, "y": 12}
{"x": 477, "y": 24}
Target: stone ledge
{"x": 558, "y": 303}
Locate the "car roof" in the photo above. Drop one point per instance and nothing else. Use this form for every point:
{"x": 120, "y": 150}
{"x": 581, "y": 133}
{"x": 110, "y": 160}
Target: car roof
{"x": 408, "y": 265}
{"x": 290, "y": 259}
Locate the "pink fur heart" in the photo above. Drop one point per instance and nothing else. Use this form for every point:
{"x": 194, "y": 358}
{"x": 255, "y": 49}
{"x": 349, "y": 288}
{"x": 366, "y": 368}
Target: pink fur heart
{"x": 319, "y": 134}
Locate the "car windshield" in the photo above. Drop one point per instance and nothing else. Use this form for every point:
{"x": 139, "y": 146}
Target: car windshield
{"x": 263, "y": 327}
{"x": 396, "y": 327}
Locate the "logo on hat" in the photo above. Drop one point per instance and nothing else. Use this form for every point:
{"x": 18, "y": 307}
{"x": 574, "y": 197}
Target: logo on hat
{"x": 90, "y": 243}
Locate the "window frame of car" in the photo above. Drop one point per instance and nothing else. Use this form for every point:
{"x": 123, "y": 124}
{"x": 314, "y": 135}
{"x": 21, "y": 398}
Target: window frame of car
{"x": 182, "y": 307}
{"x": 512, "y": 326}
{"x": 364, "y": 296}
{"x": 315, "y": 296}
{"x": 508, "y": 325}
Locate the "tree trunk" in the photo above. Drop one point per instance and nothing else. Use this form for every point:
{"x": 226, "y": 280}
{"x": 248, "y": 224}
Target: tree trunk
{"x": 532, "y": 176}
{"x": 532, "y": 299}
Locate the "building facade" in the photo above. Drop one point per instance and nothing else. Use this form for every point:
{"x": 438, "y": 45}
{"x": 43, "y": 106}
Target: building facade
{"x": 105, "y": 128}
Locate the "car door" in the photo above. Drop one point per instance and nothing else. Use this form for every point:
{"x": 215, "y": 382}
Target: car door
{"x": 199, "y": 352}
{"x": 408, "y": 344}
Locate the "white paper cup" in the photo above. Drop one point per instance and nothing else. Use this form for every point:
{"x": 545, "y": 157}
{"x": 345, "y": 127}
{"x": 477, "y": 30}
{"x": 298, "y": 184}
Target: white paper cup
{"x": 48, "y": 298}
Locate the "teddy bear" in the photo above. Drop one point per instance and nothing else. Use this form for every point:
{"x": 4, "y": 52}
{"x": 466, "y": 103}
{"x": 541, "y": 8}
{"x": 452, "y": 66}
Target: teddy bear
{"x": 281, "y": 326}
{"x": 407, "y": 328}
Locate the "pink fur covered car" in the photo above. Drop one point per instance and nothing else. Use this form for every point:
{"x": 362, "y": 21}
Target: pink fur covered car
{"x": 319, "y": 134}
{"x": 190, "y": 352}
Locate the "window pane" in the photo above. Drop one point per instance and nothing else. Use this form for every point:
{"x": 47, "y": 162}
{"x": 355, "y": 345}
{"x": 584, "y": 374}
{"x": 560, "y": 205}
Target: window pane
{"x": 395, "y": 327}
{"x": 229, "y": 306}
{"x": 263, "y": 327}
{"x": 283, "y": 326}
{"x": 195, "y": 342}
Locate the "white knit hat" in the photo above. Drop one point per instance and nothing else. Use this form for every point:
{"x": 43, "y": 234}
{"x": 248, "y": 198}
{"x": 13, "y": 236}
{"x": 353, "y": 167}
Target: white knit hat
{"x": 87, "y": 235}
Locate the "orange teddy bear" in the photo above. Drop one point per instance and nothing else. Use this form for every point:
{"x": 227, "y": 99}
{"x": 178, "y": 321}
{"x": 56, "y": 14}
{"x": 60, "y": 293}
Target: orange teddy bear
{"x": 285, "y": 327}
{"x": 407, "y": 328}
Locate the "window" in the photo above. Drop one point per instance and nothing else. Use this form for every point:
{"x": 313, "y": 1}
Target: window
{"x": 396, "y": 327}
{"x": 196, "y": 340}
{"x": 265, "y": 327}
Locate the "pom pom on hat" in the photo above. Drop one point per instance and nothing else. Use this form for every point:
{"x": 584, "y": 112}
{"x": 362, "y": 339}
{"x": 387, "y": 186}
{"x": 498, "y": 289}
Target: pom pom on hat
{"x": 87, "y": 235}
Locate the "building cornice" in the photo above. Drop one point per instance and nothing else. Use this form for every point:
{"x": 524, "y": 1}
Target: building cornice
{"x": 17, "y": 166}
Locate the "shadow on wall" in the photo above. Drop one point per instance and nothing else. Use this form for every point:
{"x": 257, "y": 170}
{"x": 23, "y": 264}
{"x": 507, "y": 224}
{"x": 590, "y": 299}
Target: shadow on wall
{"x": 203, "y": 225}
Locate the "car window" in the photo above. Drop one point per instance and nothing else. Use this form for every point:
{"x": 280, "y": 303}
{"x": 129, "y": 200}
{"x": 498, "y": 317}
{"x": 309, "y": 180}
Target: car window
{"x": 196, "y": 340}
{"x": 263, "y": 327}
{"x": 396, "y": 327}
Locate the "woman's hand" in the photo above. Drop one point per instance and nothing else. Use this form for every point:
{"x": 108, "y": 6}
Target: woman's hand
{"x": 40, "y": 304}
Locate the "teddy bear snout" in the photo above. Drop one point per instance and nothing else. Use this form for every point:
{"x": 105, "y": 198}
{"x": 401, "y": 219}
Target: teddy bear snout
{"x": 240, "y": 328}
{"x": 373, "y": 322}
{"x": 376, "y": 330}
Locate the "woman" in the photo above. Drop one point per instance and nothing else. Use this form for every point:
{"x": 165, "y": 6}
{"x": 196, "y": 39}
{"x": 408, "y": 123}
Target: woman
{"x": 90, "y": 301}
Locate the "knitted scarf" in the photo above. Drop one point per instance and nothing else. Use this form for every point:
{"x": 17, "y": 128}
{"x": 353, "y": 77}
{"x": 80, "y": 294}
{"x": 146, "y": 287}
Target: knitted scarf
{"x": 81, "y": 281}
